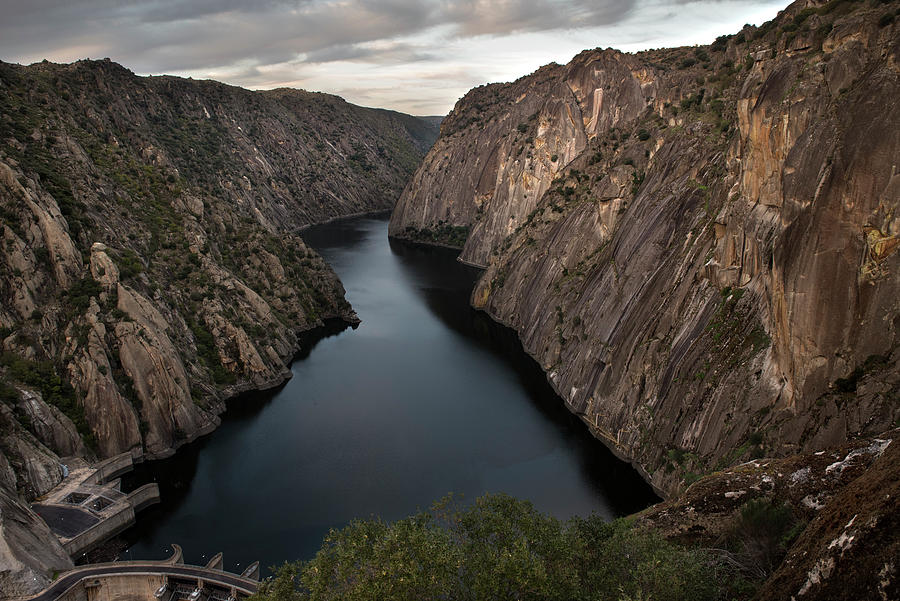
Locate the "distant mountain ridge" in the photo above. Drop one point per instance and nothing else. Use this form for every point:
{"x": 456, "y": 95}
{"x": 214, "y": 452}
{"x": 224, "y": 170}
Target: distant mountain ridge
{"x": 150, "y": 262}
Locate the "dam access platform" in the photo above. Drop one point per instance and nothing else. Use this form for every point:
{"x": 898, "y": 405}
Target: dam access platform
{"x": 88, "y": 506}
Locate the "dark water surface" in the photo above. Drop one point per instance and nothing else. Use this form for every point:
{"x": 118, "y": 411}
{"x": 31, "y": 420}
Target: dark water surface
{"x": 426, "y": 397}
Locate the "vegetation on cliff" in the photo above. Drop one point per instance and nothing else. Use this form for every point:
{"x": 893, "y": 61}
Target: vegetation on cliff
{"x": 443, "y": 234}
{"x": 150, "y": 265}
{"x": 761, "y": 530}
{"x": 698, "y": 245}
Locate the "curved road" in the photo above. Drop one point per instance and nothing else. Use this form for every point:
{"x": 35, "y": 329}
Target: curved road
{"x": 70, "y": 579}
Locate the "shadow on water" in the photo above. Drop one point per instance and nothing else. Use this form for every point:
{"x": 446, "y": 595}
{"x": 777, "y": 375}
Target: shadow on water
{"x": 450, "y": 285}
{"x": 249, "y": 404}
{"x": 175, "y": 474}
{"x": 346, "y": 234}
{"x": 426, "y": 397}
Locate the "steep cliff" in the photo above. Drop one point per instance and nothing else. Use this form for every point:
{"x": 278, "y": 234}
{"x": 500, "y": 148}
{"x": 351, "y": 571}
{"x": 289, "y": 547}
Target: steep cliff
{"x": 150, "y": 262}
{"x": 28, "y": 550}
{"x": 697, "y": 244}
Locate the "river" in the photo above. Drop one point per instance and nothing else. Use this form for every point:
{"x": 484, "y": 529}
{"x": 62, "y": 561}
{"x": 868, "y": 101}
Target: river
{"x": 424, "y": 398}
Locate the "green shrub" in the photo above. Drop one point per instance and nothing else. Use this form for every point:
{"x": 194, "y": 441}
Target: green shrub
{"x": 81, "y": 292}
{"x": 208, "y": 352}
{"x": 56, "y": 391}
{"x": 42, "y": 255}
{"x": 129, "y": 264}
{"x": 498, "y": 548}
{"x": 721, "y": 43}
{"x": 760, "y": 535}
{"x": 442, "y": 233}
{"x": 8, "y": 394}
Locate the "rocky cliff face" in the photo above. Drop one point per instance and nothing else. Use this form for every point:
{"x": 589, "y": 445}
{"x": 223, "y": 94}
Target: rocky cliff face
{"x": 150, "y": 262}
{"x": 28, "y": 550}
{"x": 697, "y": 244}
{"x": 832, "y": 515}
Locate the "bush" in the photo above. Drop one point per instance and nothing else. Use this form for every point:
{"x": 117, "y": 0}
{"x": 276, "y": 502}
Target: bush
{"x": 129, "y": 264}
{"x": 761, "y": 534}
{"x": 720, "y": 44}
{"x": 81, "y": 292}
{"x": 8, "y": 394}
{"x": 42, "y": 255}
{"x": 498, "y": 548}
{"x": 442, "y": 233}
{"x": 54, "y": 390}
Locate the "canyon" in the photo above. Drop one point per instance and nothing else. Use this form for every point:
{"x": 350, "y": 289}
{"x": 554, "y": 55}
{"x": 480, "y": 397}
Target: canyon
{"x": 698, "y": 245}
{"x": 152, "y": 267}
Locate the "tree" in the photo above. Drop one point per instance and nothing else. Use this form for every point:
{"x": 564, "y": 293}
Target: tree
{"x": 497, "y": 548}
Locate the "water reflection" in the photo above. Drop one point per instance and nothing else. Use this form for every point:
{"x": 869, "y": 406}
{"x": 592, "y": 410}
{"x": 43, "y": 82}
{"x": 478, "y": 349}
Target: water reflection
{"x": 426, "y": 397}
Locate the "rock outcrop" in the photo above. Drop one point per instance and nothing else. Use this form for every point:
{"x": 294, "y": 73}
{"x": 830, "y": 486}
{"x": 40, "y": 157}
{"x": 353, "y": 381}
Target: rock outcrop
{"x": 29, "y": 552}
{"x": 151, "y": 263}
{"x": 27, "y": 467}
{"x": 698, "y": 245}
{"x": 851, "y": 547}
{"x": 151, "y": 266}
{"x": 832, "y": 515}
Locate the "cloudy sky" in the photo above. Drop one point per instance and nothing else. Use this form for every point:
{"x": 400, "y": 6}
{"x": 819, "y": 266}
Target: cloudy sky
{"x": 416, "y": 56}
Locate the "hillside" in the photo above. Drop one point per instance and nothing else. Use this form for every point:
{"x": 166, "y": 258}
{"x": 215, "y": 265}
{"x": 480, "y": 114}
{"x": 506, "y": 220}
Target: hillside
{"x": 151, "y": 267}
{"x": 696, "y": 244}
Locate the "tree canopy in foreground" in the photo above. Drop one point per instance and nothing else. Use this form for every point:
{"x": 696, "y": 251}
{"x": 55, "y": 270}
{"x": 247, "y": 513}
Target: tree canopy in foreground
{"x": 499, "y": 548}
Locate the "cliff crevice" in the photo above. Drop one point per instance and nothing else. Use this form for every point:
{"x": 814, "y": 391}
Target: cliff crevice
{"x": 705, "y": 266}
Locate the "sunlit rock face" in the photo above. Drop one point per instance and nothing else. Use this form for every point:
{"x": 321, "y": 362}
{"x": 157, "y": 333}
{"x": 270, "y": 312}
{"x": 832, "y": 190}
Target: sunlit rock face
{"x": 698, "y": 244}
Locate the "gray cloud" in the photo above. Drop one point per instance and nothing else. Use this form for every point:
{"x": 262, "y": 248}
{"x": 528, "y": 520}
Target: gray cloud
{"x": 164, "y": 35}
{"x": 421, "y": 48}
{"x": 390, "y": 53}
{"x": 479, "y": 17}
